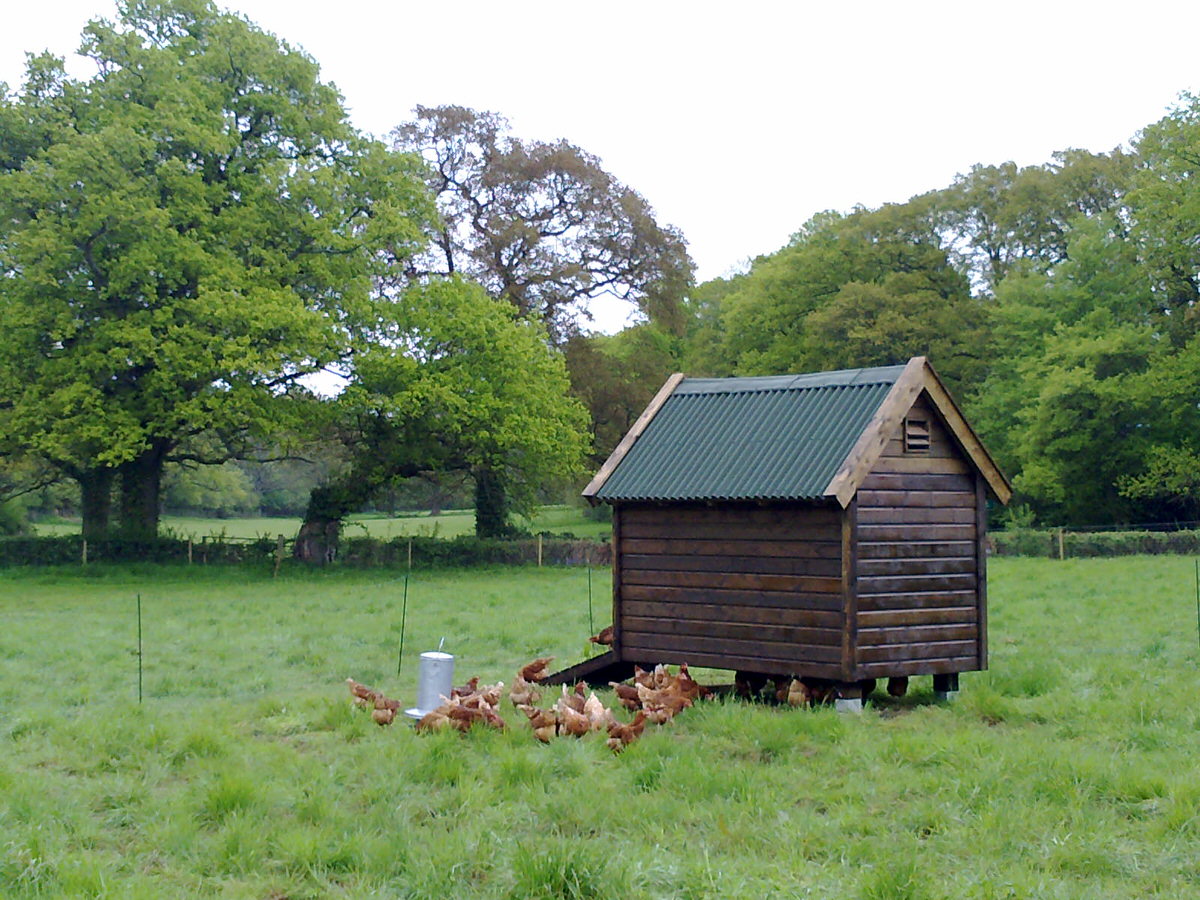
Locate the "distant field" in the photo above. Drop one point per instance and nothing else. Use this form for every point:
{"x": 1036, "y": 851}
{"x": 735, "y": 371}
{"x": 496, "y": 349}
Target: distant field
{"x": 556, "y": 519}
{"x": 1066, "y": 771}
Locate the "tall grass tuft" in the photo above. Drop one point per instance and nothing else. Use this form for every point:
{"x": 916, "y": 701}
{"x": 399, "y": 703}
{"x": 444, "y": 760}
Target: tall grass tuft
{"x": 564, "y": 870}
{"x": 228, "y": 793}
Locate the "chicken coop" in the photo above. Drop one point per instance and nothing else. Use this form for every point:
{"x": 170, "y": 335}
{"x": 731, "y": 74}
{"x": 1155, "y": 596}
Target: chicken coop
{"x": 828, "y": 526}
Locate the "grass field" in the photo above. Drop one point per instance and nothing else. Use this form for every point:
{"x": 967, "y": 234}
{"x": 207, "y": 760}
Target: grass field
{"x": 1066, "y": 771}
{"x": 451, "y": 523}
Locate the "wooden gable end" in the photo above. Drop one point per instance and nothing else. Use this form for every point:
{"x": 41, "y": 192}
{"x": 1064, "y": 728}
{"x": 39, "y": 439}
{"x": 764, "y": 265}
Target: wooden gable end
{"x": 920, "y": 389}
{"x": 941, "y": 453}
{"x": 920, "y": 579}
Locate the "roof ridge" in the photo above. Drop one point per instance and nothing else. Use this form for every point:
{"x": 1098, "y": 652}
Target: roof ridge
{"x": 803, "y": 381}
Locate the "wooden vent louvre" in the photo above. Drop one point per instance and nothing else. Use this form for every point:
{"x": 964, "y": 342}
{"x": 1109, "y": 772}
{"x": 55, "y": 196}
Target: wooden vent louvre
{"x": 916, "y": 435}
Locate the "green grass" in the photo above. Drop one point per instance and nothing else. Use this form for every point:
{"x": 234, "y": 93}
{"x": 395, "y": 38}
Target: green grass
{"x": 449, "y": 524}
{"x": 1066, "y": 771}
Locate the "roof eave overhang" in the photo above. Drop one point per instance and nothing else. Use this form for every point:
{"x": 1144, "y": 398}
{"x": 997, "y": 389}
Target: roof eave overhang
{"x": 918, "y": 376}
{"x": 821, "y": 500}
{"x": 631, "y": 436}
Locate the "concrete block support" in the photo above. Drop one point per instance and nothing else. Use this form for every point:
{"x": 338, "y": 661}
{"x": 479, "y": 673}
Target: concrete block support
{"x": 849, "y": 697}
{"x": 945, "y": 687}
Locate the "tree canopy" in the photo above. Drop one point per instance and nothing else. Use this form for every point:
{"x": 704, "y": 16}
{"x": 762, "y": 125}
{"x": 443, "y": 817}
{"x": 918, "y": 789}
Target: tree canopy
{"x": 183, "y": 237}
{"x": 869, "y": 288}
{"x": 462, "y": 383}
{"x": 540, "y": 224}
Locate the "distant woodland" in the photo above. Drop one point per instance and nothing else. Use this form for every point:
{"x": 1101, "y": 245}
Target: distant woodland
{"x": 1058, "y": 301}
{"x": 218, "y": 296}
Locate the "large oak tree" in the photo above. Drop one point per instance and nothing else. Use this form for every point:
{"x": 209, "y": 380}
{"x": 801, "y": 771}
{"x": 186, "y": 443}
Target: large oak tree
{"x": 183, "y": 236}
{"x": 540, "y": 224}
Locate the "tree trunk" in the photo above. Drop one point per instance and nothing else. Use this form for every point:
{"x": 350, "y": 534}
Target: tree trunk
{"x": 141, "y": 483}
{"x": 329, "y": 504}
{"x": 317, "y": 541}
{"x": 95, "y": 488}
{"x": 491, "y": 504}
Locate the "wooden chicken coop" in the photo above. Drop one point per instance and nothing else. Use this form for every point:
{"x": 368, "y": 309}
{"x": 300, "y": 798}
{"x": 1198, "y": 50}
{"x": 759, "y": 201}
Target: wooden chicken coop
{"x": 828, "y": 526}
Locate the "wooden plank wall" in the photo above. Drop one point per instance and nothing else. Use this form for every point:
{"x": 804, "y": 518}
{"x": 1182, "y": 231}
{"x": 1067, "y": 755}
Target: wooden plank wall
{"x": 734, "y": 587}
{"x": 918, "y": 573}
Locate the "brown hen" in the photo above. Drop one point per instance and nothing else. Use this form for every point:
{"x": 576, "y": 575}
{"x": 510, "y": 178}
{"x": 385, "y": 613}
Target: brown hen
{"x": 620, "y": 736}
{"x": 606, "y": 636}
{"x": 537, "y": 670}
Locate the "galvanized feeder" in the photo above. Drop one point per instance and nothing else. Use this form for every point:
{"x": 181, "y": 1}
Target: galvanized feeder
{"x": 435, "y": 680}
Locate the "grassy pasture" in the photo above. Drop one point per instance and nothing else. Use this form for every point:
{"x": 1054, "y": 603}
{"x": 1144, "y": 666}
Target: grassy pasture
{"x": 1067, "y": 771}
{"x": 449, "y": 524}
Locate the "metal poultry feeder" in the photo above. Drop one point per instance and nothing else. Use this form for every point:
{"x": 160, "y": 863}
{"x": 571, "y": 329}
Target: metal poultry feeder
{"x": 434, "y": 682}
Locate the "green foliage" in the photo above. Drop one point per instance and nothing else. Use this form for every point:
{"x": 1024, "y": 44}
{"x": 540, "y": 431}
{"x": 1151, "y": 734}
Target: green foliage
{"x": 541, "y": 226}
{"x": 185, "y": 234}
{"x": 13, "y": 519}
{"x": 872, "y": 288}
{"x": 1165, "y": 204}
{"x": 24, "y": 486}
{"x": 69, "y": 550}
{"x": 1058, "y": 301}
{"x": 224, "y": 490}
{"x": 1085, "y": 424}
{"x": 893, "y": 320}
{"x": 1003, "y": 216}
{"x": 1171, "y": 477}
{"x": 468, "y": 550}
{"x": 616, "y": 376}
{"x": 1088, "y": 391}
{"x": 547, "y": 520}
{"x": 703, "y": 348}
{"x": 461, "y": 382}
{"x": 354, "y": 551}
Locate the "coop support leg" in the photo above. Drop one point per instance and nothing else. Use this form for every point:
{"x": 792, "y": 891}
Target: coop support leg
{"x": 849, "y": 697}
{"x": 945, "y": 686}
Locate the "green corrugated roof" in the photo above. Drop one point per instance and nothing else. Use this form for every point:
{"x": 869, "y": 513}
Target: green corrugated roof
{"x": 773, "y": 438}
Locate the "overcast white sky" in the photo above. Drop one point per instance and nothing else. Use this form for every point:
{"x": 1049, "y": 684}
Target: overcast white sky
{"x": 738, "y": 121}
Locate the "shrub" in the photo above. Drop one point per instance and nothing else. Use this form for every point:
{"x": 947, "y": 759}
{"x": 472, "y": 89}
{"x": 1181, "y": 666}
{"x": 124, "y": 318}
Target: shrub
{"x": 13, "y": 519}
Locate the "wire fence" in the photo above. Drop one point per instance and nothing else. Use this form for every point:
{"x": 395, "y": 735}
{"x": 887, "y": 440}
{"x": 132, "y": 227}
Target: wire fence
{"x": 407, "y": 552}
{"x": 1097, "y": 541}
{"x": 364, "y": 552}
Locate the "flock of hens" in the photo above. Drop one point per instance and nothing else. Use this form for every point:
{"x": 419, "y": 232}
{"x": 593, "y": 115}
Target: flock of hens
{"x": 656, "y": 696}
